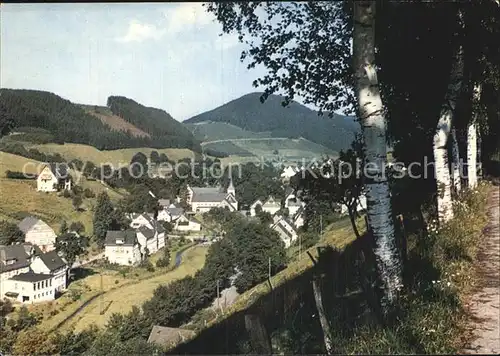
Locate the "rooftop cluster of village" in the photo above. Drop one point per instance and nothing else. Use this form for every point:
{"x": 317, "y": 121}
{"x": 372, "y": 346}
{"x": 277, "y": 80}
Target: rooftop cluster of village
{"x": 33, "y": 271}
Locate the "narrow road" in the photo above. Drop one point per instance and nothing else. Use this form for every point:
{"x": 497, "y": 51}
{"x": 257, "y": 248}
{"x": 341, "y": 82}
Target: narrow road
{"x": 485, "y": 302}
{"x": 247, "y": 139}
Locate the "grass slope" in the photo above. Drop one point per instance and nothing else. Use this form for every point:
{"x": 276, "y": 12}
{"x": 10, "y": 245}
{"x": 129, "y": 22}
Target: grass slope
{"x": 235, "y": 141}
{"x": 227, "y": 147}
{"x": 289, "y": 148}
{"x": 122, "y": 299}
{"x": 88, "y": 153}
{"x": 20, "y": 197}
{"x": 210, "y": 131}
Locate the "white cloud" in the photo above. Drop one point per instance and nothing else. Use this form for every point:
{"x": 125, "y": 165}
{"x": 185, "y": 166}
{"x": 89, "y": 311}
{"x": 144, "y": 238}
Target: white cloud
{"x": 187, "y": 16}
{"x": 139, "y": 32}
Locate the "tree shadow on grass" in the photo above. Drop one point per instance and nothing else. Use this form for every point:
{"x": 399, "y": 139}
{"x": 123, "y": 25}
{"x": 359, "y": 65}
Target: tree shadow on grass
{"x": 78, "y": 273}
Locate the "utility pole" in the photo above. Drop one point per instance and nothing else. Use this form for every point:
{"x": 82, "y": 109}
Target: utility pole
{"x": 269, "y": 268}
{"x": 101, "y": 296}
{"x": 321, "y": 225}
{"x": 218, "y": 300}
{"x": 300, "y": 246}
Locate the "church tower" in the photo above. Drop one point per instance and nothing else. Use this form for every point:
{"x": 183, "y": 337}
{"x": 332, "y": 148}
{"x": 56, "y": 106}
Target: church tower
{"x": 230, "y": 189}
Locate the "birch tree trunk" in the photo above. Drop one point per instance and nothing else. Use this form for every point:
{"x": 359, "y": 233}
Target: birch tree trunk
{"x": 442, "y": 173}
{"x": 472, "y": 142}
{"x": 371, "y": 114}
{"x": 479, "y": 157}
{"x": 472, "y": 155}
{"x": 456, "y": 166}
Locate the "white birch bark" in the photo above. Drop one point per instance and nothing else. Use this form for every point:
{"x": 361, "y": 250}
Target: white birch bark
{"x": 472, "y": 142}
{"x": 472, "y": 156}
{"x": 371, "y": 114}
{"x": 442, "y": 173}
{"x": 479, "y": 157}
{"x": 456, "y": 166}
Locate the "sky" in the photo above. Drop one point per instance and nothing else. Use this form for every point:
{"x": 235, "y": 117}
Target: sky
{"x": 168, "y": 56}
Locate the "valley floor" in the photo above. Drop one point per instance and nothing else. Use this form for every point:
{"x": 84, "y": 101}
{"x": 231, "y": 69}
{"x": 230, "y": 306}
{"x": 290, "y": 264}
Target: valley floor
{"x": 485, "y": 302}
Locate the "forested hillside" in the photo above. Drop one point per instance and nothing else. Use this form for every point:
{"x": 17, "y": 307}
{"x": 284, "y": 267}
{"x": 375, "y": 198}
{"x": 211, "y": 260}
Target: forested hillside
{"x": 292, "y": 121}
{"x": 68, "y": 122}
{"x": 154, "y": 121}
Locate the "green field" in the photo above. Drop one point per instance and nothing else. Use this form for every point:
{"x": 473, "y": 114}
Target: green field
{"x": 121, "y": 300}
{"x": 20, "y": 197}
{"x": 289, "y": 148}
{"x": 228, "y": 147}
{"x": 211, "y": 131}
{"x": 122, "y": 156}
{"x": 237, "y": 142}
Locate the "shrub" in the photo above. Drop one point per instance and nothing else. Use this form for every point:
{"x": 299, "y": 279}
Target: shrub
{"x": 123, "y": 272}
{"x": 75, "y": 294}
{"x": 54, "y": 312}
{"x": 88, "y": 193}
{"x": 431, "y": 316}
{"x": 147, "y": 265}
{"x": 164, "y": 261}
{"x": 77, "y": 190}
{"x": 307, "y": 240}
{"x": 16, "y": 175}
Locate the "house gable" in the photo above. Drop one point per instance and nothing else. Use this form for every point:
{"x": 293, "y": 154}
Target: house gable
{"x": 257, "y": 202}
{"x": 47, "y": 174}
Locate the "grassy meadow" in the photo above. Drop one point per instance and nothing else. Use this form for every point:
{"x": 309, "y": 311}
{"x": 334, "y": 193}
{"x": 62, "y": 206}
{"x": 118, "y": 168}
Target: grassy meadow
{"x": 122, "y": 156}
{"x": 20, "y": 197}
{"x": 123, "y": 288}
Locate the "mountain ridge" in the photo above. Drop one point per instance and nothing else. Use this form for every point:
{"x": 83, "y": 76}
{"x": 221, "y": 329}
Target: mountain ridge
{"x": 69, "y": 122}
{"x": 293, "y": 121}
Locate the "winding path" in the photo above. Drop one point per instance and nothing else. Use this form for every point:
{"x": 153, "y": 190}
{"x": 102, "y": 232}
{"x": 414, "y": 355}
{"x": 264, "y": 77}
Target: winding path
{"x": 247, "y": 139}
{"x": 485, "y": 302}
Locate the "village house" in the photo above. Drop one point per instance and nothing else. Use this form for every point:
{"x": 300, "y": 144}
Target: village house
{"x": 298, "y": 218}
{"x": 144, "y": 219}
{"x": 29, "y": 287}
{"x": 288, "y": 173}
{"x": 270, "y": 206}
{"x": 361, "y": 206}
{"x": 13, "y": 261}
{"x": 164, "y": 203}
{"x": 122, "y": 247}
{"x": 253, "y": 207}
{"x": 51, "y": 263}
{"x": 285, "y": 228}
{"x": 150, "y": 232}
{"x": 29, "y": 275}
{"x": 151, "y": 239}
{"x": 169, "y": 212}
{"x": 38, "y": 233}
{"x": 292, "y": 202}
{"x": 53, "y": 178}
{"x": 203, "y": 199}
{"x": 187, "y": 223}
